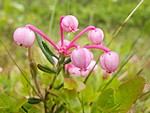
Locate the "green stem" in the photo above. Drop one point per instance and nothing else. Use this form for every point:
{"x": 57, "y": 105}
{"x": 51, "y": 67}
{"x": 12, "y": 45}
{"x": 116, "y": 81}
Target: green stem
{"x": 146, "y": 64}
{"x": 125, "y": 21}
{"x": 45, "y": 106}
{"x": 35, "y": 74}
{"x": 146, "y": 93}
{"x": 52, "y": 18}
{"x": 19, "y": 68}
{"x": 90, "y": 72}
{"x": 85, "y": 81}
{"x": 82, "y": 104}
{"x": 59, "y": 67}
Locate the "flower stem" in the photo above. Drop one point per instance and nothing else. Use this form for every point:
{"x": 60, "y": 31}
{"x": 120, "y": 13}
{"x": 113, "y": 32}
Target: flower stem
{"x": 33, "y": 69}
{"x": 104, "y": 48}
{"x": 53, "y": 12}
{"x": 85, "y": 81}
{"x": 45, "y": 106}
{"x": 80, "y": 34}
{"x": 43, "y": 35}
{"x": 73, "y": 45}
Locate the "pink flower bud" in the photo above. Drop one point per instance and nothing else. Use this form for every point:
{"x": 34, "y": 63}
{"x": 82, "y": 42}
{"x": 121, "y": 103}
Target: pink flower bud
{"x": 91, "y": 65}
{"x": 65, "y": 43}
{"x": 73, "y": 70}
{"x": 69, "y": 23}
{"x": 81, "y": 58}
{"x": 109, "y": 61}
{"x": 85, "y": 73}
{"x": 96, "y": 36}
{"x": 76, "y": 71}
{"x": 89, "y": 69}
{"x": 24, "y": 36}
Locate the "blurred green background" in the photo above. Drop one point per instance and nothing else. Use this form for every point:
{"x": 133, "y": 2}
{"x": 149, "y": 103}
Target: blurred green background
{"x": 105, "y": 14}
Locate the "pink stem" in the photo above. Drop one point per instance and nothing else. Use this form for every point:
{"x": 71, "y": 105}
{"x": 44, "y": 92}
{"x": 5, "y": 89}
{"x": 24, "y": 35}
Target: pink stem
{"x": 98, "y": 47}
{"x": 43, "y": 35}
{"x": 80, "y": 34}
{"x": 61, "y": 32}
{"x": 73, "y": 45}
{"x": 68, "y": 53}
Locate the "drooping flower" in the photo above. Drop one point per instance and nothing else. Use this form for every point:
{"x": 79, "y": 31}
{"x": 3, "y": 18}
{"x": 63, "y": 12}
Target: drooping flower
{"x": 24, "y": 36}
{"x": 73, "y": 70}
{"x": 65, "y": 43}
{"x": 69, "y": 23}
{"x": 109, "y": 61}
{"x": 96, "y": 36}
{"x": 81, "y": 58}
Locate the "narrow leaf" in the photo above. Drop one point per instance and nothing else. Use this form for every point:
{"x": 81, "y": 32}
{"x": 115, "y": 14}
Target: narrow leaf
{"x": 67, "y": 61}
{"x": 46, "y": 69}
{"x": 60, "y": 109}
{"x": 34, "y": 100}
{"x": 48, "y": 49}
{"x": 47, "y": 55}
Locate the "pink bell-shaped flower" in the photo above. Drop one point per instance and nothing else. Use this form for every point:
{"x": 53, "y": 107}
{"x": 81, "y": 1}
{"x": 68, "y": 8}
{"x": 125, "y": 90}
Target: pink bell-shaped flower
{"x": 69, "y": 23}
{"x": 96, "y": 36}
{"x": 24, "y": 36}
{"x": 109, "y": 61}
{"x": 81, "y": 58}
{"x": 78, "y": 72}
{"x": 73, "y": 70}
{"x": 65, "y": 43}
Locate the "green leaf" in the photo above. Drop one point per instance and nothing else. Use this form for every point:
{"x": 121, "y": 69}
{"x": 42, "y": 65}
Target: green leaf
{"x": 10, "y": 105}
{"x": 70, "y": 84}
{"x": 60, "y": 108}
{"x": 128, "y": 92}
{"x": 88, "y": 95}
{"x": 70, "y": 94}
{"x": 5, "y": 103}
{"x": 47, "y": 55}
{"x": 48, "y": 49}
{"x": 46, "y": 69}
{"x": 17, "y": 104}
{"x": 67, "y": 61}
{"x": 81, "y": 86}
{"x": 59, "y": 86}
{"x": 34, "y": 100}
{"x": 106, "y": 100}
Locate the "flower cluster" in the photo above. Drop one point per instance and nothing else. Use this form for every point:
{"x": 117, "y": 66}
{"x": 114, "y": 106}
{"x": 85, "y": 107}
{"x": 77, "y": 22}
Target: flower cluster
{"x": 81, "y": 57}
